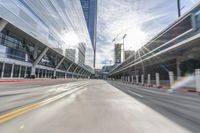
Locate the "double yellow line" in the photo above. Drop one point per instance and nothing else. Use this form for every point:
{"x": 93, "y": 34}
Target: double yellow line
{"x": 18, "y": 112}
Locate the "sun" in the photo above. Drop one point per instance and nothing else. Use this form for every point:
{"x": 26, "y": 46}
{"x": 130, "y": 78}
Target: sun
{"x": 135, "y": 39}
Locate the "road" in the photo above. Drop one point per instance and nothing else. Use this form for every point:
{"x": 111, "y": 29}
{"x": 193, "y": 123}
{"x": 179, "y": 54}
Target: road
{"x": 180, "y": 107}
{"x": 96, "y": 106}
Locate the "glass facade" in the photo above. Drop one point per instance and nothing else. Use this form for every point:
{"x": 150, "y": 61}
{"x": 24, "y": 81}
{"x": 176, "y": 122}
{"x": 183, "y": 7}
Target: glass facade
{"x": 90, "y": 12}
{"x": 58, "y": 24}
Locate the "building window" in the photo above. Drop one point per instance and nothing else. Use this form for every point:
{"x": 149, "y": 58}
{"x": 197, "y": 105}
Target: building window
{"x": 1, "y": 68}
{"x": 197, "y": 20}
{"x": 16, "y": 71}
{"x": 7, "y": 70}
{"x": 22, "y": 72}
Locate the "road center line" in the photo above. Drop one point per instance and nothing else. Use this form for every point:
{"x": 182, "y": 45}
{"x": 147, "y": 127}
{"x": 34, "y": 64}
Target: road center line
{"x": 135, "y": 93}
{"x": 18, "y": 112}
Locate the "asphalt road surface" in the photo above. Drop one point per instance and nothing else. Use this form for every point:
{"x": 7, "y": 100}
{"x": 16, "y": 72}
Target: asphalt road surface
{"x": 96, "y": 106}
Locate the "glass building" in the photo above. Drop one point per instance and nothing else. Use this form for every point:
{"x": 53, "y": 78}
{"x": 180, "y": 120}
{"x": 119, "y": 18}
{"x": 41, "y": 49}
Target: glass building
{"x": 90, "y": 12}
{"x": 41, "y": 38}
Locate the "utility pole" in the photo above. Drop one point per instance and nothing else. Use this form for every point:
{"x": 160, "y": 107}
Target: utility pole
{"x": 179, "y": 8}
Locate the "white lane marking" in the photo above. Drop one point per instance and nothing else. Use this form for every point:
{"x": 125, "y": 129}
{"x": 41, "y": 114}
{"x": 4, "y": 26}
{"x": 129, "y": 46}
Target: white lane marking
{"x": 135, "y": 93}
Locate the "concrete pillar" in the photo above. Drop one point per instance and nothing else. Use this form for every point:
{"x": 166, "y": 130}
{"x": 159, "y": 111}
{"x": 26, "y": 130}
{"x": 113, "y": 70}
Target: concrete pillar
{"x": 142, "y": 79}
{"x": 45, "y": 73}
{"x": 3, "y": 67}
{"x": 137, "y": 79}
{"x": 19, "y": 71}
{"x": 171, "y": 78}
{"x": 129, "y": 79}
{"x": 197, "y": 79}
{"x": 42, "y": 73}
{"x": 54, "y": 73}
{"x": 25, "y": 72}
{"x": 132, "y": 79}
{"x": 178, "y": 69}
{"x": 149, "y": 79}
{"x": 157, "y": 79}
{"x": 11, "y": 76}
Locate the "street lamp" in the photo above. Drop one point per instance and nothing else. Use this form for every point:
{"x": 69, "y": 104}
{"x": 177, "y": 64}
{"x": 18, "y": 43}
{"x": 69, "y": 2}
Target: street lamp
{"x": 123, "y": 47}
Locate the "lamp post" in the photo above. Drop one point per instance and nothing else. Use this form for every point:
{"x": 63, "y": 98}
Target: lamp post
{"x": 123, "y": 47}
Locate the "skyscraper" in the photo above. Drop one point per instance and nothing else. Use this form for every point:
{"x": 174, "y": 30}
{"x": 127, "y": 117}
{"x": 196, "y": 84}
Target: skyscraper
{"x": 90, "y": 12}
{"x": 118, "y": 53}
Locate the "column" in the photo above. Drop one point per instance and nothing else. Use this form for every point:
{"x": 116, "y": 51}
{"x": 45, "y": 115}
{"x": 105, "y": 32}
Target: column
{"x": 25, "y": 72}
{"x": 3, "y": 67}
{"x": 171, "y": 78}
{"x": 157, "y": 80}
{"x": 142, "y": 79}
{"x": 149, "y": 79}
{"x": 20, "y": 71}
{"x": 128, "y": 79}
{"x": 197, "y": 79}
{"x": 178, "y": 69}
{"x": 45, "y": 73}
{"x": 38, "y": 73}
{"x": 132, "y": 79}
{"x": 12, "y": 70}
{"x": 137, "y": 79}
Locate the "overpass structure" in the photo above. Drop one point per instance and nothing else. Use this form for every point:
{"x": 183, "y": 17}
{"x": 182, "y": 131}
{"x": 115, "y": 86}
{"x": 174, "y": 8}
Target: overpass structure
{"x": 43, "y": 39}
{"x": 169, "y": 56}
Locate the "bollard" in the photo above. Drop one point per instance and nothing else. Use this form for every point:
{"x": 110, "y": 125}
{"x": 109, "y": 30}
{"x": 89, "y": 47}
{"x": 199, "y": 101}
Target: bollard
{"x": 148, "y": 79}
{"x": 171, "y": 78}
{"x": 142, "y": 79}
{"x": 197, "y": 79}
{"x": 157, "y": 80}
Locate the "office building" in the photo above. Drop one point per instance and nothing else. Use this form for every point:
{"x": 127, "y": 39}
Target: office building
{"x": 34, "y": 35}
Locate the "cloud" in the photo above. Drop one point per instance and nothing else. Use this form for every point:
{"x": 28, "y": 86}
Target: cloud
{"x": 141, "y": 20}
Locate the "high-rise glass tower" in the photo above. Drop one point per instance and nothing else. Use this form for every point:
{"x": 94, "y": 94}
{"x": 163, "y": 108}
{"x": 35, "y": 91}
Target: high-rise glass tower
{"x": 90, "y": 12}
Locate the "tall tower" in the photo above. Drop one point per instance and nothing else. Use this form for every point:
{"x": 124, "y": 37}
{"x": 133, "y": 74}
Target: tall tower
{"x": 90, "y": 12}
{"x": 118, "y": 53}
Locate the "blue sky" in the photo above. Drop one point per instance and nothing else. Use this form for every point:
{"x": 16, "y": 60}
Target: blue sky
{"x": 141, "y": 20}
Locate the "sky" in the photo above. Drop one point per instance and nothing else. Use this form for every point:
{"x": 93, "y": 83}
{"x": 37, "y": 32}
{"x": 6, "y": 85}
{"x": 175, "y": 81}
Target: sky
{"x": 141, "y": 20}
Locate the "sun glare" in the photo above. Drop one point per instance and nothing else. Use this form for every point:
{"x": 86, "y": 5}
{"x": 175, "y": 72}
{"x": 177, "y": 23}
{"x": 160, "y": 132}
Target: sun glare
{"x": 135, "y": 39}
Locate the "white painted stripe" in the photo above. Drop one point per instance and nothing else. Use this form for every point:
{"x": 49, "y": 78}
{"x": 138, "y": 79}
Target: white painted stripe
{"x": 135, "y": 93}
